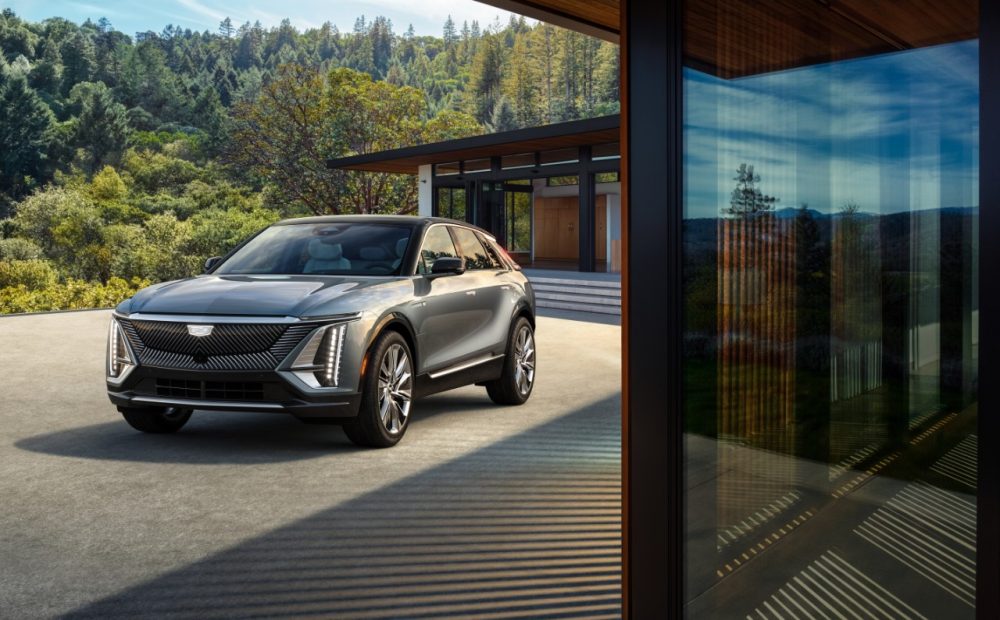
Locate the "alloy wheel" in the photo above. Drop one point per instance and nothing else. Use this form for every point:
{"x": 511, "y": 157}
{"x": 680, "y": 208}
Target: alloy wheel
{"x": 395, "y": 388}
{"x": 524, "y": 360}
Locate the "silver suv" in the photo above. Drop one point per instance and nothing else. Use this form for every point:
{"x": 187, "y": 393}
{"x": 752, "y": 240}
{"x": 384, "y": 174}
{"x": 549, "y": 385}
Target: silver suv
{"x": 335, "y": 320}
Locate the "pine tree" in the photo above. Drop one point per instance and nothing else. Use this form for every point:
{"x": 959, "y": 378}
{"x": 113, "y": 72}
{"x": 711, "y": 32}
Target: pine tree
{"x": 47, "y": 73}
{"x": 503, "y": 118}
{"x": 487, "y": 75}
{"x": 26, "y": 132}
{"x": 102, "y": 130}
{"x": 450, "y": 36}
{"x": 522, "y": 84}
{"x": 226, "y": 28}
{"x": 78, "y": 58}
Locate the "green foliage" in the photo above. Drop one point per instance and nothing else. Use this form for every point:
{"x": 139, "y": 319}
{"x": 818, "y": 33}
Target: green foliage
{"x": 107, "y": 186}
{"x": 19, "y": 249}
{"x": 126, "y": 161}
{"x": 303, "y": 118}
{"x": 32, "y": 273}
{"x": 102, "y": 130}
{"x": 71, "y": 295}
{"x": 26, "y": 131}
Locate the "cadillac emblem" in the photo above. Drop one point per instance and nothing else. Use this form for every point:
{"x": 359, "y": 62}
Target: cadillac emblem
{"x": 200, "y": 331}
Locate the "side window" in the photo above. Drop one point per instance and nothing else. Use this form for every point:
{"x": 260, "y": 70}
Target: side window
{"x": 494, "y": 253}
{"x": 476, "y": 256}
{"x": 437, "y": 244}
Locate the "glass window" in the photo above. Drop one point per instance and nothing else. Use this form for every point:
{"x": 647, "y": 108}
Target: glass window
{"x": 606, "y": 177}
{"x": 334, "y": 248}
{"x": 451, "y": 203}
{"x": 494, "y": 251}
{"x": 518, "y": 209}
{"x": 564, "y": 180}
{"x": 476, "y": 256}
{"x": 831, "y": 317}
{"x": 437, "y": 244}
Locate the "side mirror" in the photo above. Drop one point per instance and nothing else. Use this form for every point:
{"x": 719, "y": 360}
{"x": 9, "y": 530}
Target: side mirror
{"x": 448, "y": 266}
{"x": 212, "y": 262}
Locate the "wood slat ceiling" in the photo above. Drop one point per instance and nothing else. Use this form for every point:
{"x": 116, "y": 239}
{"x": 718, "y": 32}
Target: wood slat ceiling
{"x": 738, "y": 38}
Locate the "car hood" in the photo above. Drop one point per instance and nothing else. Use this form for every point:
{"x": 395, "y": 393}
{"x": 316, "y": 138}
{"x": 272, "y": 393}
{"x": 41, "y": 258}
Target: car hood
{"x": 262, "y": 295}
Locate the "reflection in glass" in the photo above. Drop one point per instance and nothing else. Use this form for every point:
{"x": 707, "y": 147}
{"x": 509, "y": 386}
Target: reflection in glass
{"x": 831, "y": 327}
{"x": 451, "y": 203}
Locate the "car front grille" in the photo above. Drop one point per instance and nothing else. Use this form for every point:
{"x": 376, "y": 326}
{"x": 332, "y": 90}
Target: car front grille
{"x": 210, "y": 390}
{"x": 230, "y": 346}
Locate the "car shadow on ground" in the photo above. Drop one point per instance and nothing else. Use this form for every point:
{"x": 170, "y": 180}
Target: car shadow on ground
{"x": 529, "y": 526}
{"x": 223, "y": 437}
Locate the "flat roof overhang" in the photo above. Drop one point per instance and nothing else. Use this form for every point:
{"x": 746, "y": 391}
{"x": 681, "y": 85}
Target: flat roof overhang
{"x": 823, "y": 30}
{"x": 591, "y": 131}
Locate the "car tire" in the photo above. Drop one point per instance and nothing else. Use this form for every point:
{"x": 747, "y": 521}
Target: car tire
{"x": 156, "y": 419}
{"x": 518, "y": 379}
{"x": 386, "y": 395}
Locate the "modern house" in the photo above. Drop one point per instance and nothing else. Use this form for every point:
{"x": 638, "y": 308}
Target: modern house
{"x": 552, "y": 194}
{"x": 805, "y": 245}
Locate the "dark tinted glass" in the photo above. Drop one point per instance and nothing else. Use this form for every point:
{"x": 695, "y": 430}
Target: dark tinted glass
{"x": 322, "y": 249}
{"x": 437, "y": 244}
{"x": 476, "y": 256}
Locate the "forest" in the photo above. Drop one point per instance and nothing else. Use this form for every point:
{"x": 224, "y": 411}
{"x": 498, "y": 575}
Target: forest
{"x": 128, "y": 159}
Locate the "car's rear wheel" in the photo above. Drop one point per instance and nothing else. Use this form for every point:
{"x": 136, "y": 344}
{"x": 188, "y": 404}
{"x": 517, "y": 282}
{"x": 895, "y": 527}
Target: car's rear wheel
{"x": 156, "y": 419}
{"x": 387, "y": 394}
{"x": 518, "y": 379}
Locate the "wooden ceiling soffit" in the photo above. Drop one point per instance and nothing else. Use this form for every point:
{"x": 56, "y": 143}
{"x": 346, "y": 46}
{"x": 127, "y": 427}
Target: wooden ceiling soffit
{"x": 407, "y": 160}
{"x": 598, "y": 18}
{"x": 738, "y": 38}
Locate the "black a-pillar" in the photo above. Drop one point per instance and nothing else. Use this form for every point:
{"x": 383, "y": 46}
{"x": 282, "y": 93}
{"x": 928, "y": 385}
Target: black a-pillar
{"x": 588, "y": 212}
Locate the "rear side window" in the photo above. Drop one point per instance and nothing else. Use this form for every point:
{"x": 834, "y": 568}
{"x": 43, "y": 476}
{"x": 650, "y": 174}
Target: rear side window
{"x": 476, "y": 256}
{"x": 494, "y": 252}
{"x": 437, "y": 244}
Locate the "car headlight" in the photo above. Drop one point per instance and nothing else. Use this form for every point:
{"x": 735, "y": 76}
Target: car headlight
{"x": 120, "y": 360}
{"x": 318, "y": 364}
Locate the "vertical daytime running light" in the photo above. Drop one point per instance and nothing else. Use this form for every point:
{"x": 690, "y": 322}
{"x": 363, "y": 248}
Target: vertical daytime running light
{"x": 335, "y": 344}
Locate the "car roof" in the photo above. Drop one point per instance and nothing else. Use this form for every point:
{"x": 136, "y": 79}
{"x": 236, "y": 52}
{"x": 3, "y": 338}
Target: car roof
{"x": 412, "y": 220}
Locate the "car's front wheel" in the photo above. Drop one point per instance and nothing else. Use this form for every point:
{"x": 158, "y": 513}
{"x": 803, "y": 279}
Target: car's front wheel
{"x": 386, "y": 395}
{"x": 515, "y": 384}
{"x": 156, "y": 419}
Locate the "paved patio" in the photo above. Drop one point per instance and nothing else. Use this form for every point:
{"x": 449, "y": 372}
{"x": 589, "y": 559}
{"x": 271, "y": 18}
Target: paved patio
{"x": 482, "y": 510}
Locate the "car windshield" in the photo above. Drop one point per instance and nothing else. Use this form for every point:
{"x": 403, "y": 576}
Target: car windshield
{"x": 349, "y": 248}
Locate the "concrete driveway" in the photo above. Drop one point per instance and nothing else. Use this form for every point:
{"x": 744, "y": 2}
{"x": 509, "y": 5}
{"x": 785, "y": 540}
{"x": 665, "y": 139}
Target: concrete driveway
{"x": 482, "y": 511}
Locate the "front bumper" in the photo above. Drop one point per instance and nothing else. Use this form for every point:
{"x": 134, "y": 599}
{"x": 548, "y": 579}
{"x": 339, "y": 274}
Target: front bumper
{"x": 257, "y": 391}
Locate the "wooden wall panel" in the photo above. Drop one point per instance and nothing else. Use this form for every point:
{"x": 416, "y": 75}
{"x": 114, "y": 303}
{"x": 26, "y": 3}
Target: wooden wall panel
{"x": 601, "y": 236}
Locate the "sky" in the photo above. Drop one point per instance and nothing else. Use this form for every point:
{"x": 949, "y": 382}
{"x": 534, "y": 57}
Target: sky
{"x": 888, "y": 133}
{"x": 129, "y": 16}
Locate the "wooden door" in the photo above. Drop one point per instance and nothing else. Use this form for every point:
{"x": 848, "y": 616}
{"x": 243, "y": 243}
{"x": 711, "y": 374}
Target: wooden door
{"x": 557, "y": 228}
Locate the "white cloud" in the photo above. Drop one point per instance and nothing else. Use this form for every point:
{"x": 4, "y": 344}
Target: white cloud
{"x": 202, "y": 9}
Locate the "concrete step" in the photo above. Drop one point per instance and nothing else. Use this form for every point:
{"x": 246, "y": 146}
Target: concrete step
{"x": 597, "y": 296}
{"x": 581, "y": 299}
{"x": 576, "y": 282}
{"x": 583, "y": 290}
{"x": 589, "y": 308}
